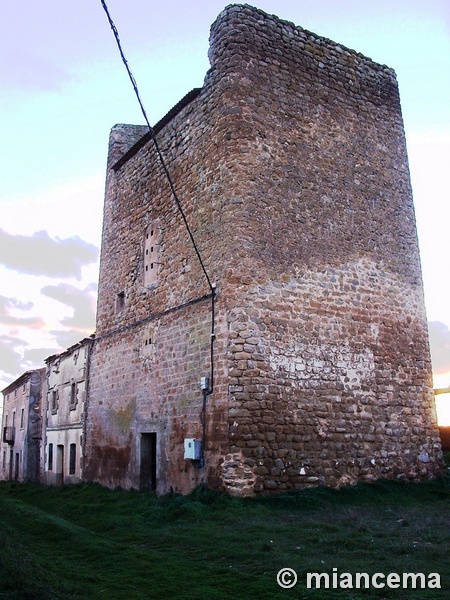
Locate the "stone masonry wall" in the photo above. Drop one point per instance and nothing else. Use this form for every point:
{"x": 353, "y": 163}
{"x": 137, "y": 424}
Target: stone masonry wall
{"x": 291, "y": 167}
{"x": 139, "y": 388}
{"x": 151, "y": 351}
{"x": 330, "y": 374}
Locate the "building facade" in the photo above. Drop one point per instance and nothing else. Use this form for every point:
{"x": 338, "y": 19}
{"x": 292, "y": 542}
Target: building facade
{"x": 263, "y": 329}
{"x": 309, "y": 334}
{"x": 22, "y": 427}
{"x": 66, "y": 389}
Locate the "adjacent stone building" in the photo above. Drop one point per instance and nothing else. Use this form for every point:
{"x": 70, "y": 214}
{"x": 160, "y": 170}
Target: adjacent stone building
{"x": 21, "y": 442}
{"x": 290, "y": 165}
{"x": 66, "y": 386}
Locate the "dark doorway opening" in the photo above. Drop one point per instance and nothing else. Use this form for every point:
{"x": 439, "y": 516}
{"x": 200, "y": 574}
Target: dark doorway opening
{"x": 148, "y": 461}
{"x": 59, "y": 464}
{"x": 11, "y": 463}
{"x": 72, "y": 458}
{"x": 16, "y": 467}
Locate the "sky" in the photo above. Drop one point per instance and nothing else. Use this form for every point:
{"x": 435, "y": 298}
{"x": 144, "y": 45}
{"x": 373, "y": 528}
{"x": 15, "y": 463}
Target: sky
{"x": 63, "y": 86}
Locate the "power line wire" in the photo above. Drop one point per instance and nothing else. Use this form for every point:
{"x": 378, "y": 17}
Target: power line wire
{"x": 180, "y": 208}
{"x": 157, "y": 148}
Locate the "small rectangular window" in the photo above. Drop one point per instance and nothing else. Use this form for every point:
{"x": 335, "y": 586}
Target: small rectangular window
{"x": 120, "y": 302}
{"x": 50, "y": 457}
{"x": 73, "y": 396}
{"x": 22, "y": 415}
{"x": 152, "y": 245}
{"x": 54, "y": 400}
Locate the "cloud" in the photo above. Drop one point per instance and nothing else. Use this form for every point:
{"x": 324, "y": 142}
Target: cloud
{"x": 82, "y": 302}
{"x": 35, "y": 357}
{"x": 440, "y": 346}
{"x": 11, "y": 356}
{"x": 65, "y": 339}
{"x": 9, "y": 304}
{"x": 16, "y": 357}
{"x": 39, "y": 254}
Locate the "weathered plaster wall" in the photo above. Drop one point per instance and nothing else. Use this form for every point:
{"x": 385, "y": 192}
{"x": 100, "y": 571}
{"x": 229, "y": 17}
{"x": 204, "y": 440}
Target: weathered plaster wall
{"x": 65, "y": 415}
{"x": 23, "y": 417}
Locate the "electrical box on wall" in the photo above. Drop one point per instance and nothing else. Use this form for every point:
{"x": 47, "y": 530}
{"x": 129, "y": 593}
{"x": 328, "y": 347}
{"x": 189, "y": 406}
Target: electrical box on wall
{"x": 204, "y": 383}
{"x": 192, "y": 449}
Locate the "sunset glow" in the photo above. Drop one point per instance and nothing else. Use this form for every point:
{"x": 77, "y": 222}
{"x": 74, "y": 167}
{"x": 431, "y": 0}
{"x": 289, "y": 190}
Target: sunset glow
{"x": 442, "y": 381}
{"x": 443, "y": 409}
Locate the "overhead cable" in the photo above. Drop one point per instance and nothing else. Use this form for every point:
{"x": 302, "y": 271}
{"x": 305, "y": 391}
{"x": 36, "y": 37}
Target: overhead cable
{"x": 157, "y": 148}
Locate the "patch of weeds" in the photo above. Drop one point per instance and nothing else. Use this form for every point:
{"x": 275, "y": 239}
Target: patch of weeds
{"x": 22, "y": 578}
{"x": 85, "y": 541}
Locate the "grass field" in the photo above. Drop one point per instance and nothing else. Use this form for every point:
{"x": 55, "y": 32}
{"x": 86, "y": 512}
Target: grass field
{"x": 87, "y": 542}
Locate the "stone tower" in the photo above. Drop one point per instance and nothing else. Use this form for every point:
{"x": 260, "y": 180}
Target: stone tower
{"x": 291, "y": 167}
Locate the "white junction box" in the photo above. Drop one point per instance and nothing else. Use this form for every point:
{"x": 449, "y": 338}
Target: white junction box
{"x": 192, "y": 449}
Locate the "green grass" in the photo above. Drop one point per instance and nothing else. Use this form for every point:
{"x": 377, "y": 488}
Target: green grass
{"x": 86, "y": 542}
